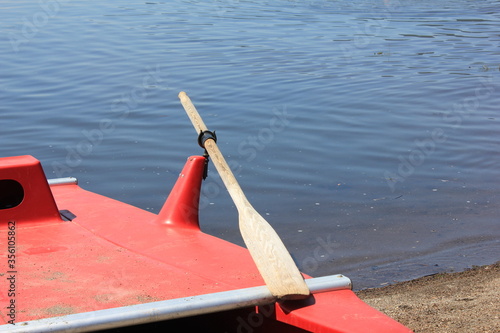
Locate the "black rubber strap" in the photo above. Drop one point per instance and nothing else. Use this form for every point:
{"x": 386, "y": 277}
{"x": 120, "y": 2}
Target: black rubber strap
{"x": 204, "y": 136}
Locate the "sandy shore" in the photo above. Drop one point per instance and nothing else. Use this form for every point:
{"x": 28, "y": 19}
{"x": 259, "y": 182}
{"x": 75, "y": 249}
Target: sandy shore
{"x": 450, "y": 302}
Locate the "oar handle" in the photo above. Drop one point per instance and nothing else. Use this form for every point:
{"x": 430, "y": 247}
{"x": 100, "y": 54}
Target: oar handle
{"x": 220, "y": 163}
{"x": 192, "y": 113}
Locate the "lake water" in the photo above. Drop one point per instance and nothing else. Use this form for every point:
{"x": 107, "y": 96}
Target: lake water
{"x": 366, "y": 132}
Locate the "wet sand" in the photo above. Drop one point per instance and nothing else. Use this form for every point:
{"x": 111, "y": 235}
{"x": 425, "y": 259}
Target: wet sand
{"x": 449, "y": 302}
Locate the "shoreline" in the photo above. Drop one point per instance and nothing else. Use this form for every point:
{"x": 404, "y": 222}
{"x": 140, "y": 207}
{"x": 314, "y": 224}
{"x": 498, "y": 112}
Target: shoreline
{"x": 445, "y": 302}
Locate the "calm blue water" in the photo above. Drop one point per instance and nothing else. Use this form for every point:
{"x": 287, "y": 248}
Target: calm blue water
{"x": 366, "y": 132}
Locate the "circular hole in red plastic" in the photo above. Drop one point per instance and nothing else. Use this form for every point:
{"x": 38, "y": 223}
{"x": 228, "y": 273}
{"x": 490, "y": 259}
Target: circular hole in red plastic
{"x": 11, "y": 193}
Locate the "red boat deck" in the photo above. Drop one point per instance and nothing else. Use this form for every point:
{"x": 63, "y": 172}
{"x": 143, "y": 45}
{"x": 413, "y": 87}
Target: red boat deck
{"x": 108, "y": 254}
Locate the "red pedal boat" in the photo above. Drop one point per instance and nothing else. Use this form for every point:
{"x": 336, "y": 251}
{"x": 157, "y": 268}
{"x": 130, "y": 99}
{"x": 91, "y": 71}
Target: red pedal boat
{"x": 76, "y": 261}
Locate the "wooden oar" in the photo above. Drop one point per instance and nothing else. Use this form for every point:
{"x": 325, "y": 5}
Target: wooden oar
{"x": 275, "y": 264}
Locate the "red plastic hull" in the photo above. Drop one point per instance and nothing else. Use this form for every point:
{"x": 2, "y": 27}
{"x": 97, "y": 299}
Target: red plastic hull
{"x": 112, "y": 254}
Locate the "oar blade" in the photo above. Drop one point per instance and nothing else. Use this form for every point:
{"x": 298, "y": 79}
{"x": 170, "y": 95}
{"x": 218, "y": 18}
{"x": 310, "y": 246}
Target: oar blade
{"x": 271, "y": 257}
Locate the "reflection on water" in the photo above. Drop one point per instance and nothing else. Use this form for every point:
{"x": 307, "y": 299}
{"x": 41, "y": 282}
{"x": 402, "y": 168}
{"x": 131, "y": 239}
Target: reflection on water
{"x": 365, "y": 132}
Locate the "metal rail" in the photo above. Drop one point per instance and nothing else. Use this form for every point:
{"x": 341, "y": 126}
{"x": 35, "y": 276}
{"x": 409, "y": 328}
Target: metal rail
{"x": 169, "y": 309}
{"x": 63, "y": 181}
